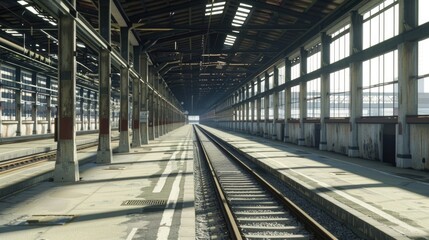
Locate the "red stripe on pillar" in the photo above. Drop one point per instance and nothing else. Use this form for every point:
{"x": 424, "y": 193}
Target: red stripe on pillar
{"x": 104, "y": 126}
{"x": 124, "y": 125}
{"x": 66, "y": 128}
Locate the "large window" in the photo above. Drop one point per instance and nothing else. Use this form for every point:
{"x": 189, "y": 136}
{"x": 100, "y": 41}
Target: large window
{"x": 54, "y": 99}
{"x": 340, "y": 44}
{"x": 282, "y": 74}
{"x": 42, "y": 100}
{"x": 339, "y": 93}
{"x": 380, "y": 85}
{"x": 271, "y": 107}
{"x": 295, "y": 70}
{"x": 313, "y": 98}
{"x": 314, "y": 58}
{"x": 7, "y": 75}
{"x": 262, "y": 108}
{"x": 294, "y": 102}
{"x": 380, "y": 23}
{"x": 262, "y": 84}
{"x": 27, "y": 98}
{"x": 282, "y": 104}
{"x": 423, "y": 7}
{"x": 423, "y": 78}
{"x": 271, "y": 80}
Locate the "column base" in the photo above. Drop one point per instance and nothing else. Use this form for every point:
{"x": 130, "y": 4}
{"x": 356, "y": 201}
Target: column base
{"x": 66, "y": 172}
{"x": 136, "y": 138}
{"x": 285, "y": 139}
{"x": 323, "y": 146}
{"x": 104, "y": 156}
{"x": 124, "y": 142}
{"x": 403, "y": 160}
{"x": 353, "y": 152}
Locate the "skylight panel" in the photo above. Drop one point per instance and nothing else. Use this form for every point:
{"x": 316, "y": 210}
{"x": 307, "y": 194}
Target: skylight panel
{"x": 214, "y": 8}
{"x": 240, "y": 18}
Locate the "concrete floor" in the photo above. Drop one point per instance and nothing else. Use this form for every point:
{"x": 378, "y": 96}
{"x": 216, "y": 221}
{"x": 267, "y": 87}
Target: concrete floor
{"x": 160, "y": 173}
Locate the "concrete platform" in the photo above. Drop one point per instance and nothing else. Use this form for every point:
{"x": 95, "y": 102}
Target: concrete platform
{"x": 145, "y": 194}
{"x": 10, "y": 150}
{"x": 379, "y": 200}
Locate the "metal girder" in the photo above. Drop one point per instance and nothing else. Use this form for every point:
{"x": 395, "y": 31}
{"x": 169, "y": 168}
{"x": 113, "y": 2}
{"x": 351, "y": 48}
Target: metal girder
{"x": 281, "y": 10}
{"x": 167, "y": 10}
{"x": 270, "y": 27}
{"x": 218, "y": 52}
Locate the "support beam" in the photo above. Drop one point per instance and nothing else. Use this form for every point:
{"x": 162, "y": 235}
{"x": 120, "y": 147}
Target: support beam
{"x": 144, "y": 72}
{"x": 302, "y": 98}
{"x": 18, "y": 103}
{"x": 288, "y": 112}
{"x": 66, "y": 165}
{"x": 266, "y": 105}
{"x": 275, "y": 104}
{"x": 124, "y": 138}
{"x": 136, "y": 141}
{"x": 104, "y": 151}
{"x": 407, "y": 85}
{"x": 355, "y": 83}
{"x": 324, "y": 92}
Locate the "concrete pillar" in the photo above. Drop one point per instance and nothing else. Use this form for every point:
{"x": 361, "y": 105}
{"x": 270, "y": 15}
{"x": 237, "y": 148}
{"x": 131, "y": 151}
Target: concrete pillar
{"x": 151, "y": 105}
{"x": 355, "y": 83}
{"x": 266, "y": 105}
{"x": 136, "y": 140}
{"x": 48, "y": 105}
{"x": 156, "y": 106}
{"x": 407, "y": 85}
{"x": 275, "y": 104}
{"x": 258, "y": 108}
{"x": 104, "y": 151}
{"x": 1, "y": 113}
{"x": 18, "y": 103}
{"x": 66, "y": 165}
{"x": 81, "y": 108}
{"x": 34, "y": 96}
{"x": 302, "y": 97}
{"x": 124, "y": 136}
{"x": 163, "y": 109}
{"x": 144, "y": 130}
{"x": 252, "y": 108}
{"x": 95, "y": 110}
{"x": 88, "y": 110}
{"x": 288, "y": 112}
{"x": 248, "y": 120}
{"x": 324, "y": 94}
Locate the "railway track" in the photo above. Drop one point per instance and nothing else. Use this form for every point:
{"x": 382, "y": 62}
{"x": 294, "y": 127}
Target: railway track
{"x": 253, "y": 208}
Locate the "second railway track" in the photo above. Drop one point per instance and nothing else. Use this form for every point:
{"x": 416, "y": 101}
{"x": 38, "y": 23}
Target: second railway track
{"x": 253, "y": 209}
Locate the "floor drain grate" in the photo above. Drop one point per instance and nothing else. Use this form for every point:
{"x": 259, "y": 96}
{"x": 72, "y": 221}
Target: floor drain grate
{"x": 340, "y": 173}
{"x": 143, "y": 202}
{"x": 49, "y": 219}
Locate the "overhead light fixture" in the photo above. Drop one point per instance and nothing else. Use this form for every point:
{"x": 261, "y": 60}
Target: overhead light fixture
{"x": 23, "y": 3}
{"x": 214, "y": 8}
{"x": 81, "y": 45}
{"x": 32, "y": 9}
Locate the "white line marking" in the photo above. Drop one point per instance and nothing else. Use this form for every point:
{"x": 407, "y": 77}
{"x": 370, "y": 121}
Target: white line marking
{"x": 132, "y": 233}
{"x": 167, "y": 215}
{"x": 168, "y": 169}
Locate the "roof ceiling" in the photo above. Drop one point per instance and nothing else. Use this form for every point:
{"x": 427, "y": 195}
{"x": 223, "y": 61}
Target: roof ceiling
{"x": 186, "y": 45}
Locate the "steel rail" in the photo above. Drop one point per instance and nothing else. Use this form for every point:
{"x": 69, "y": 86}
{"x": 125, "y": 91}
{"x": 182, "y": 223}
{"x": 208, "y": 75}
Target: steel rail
{"x": 310, "y": 224}
{"x": 232, "y": 224}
